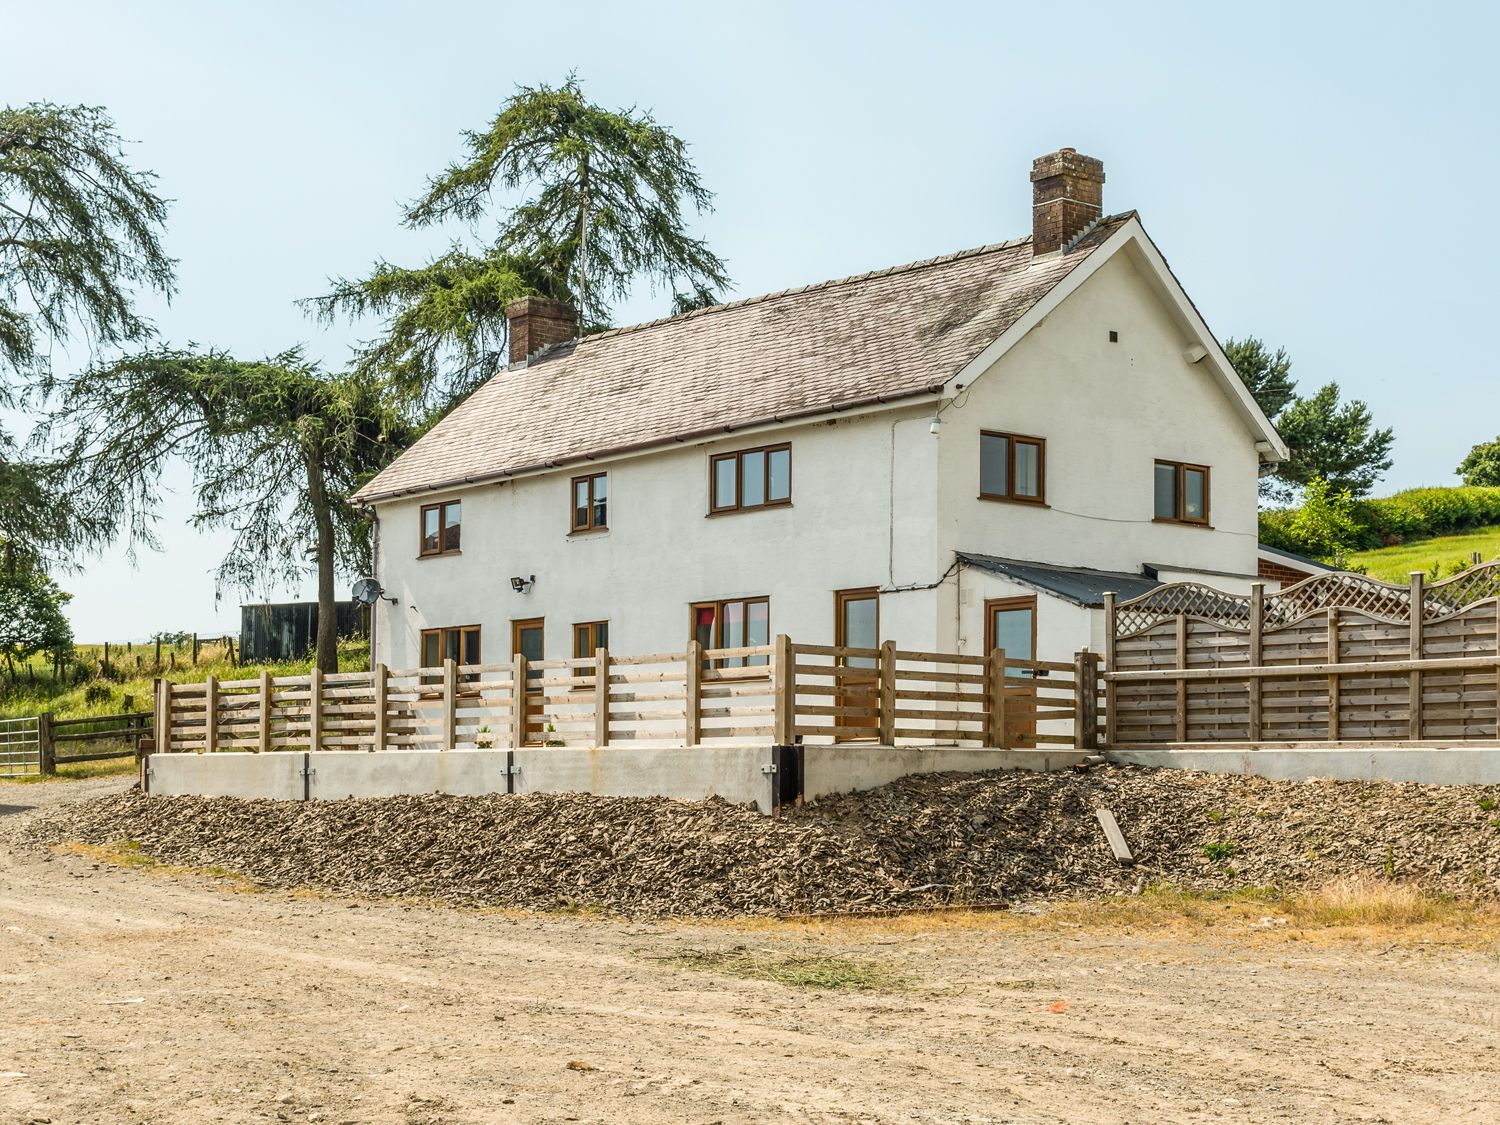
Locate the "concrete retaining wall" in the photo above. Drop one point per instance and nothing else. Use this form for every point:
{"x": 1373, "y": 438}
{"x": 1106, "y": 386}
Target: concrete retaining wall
{"x": 1455, "y": 765}
{"x": 735, "y": 773}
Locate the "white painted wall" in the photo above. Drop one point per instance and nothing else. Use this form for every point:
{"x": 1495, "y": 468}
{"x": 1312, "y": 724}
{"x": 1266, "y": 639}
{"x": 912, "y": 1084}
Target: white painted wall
{"x": 662, "y": 552}
{"x": 1107, "y": 412}
{"x": 876, "y": 501}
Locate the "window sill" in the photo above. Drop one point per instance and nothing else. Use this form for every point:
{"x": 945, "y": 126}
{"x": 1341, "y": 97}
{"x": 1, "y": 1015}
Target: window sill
{"x": 586, "y": 532}
{"x": 1038, "y": 503}
{"x": 1183, "y": 523}
{"x": 748, "y": 511}
{"x": 438, "y": 555}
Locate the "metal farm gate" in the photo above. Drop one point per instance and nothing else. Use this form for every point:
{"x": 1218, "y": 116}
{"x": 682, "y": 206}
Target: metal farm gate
{"x": 20, "y": 748}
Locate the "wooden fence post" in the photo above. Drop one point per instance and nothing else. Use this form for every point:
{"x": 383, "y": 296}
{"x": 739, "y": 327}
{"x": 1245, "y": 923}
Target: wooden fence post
{"x": 315, "y": 709}
{"x": 785, "y": 673}
{"x": 164, "y": 712}
{"x": 994, "y": 686}
{"x": 1086, "y": 700}
{"x": 450, "y": 704}
{"x": 1333, "y": 677}
{"x": 885, "y": 721}
{"x": 1110, "y": 625}
{"x": 518, "y": 702}
{"x": 155, "y": 715}
{"x": 692, "y": 694}
{"x": 381, "y": 685}
{"x": 1181, "y": 716}
{"x": 46, "y": 749}
{"x": 211, "y": 715}
{"x": 1418, "y": 599}
{"x": 264, "y": 733}
{"x": 1255, "y": 656}
{"x": 601, "y": 697}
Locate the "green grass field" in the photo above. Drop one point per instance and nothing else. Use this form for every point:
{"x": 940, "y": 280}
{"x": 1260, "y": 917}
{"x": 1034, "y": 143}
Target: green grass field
{"x": 107, "y": 695}
{"x": 1438, "y": 557}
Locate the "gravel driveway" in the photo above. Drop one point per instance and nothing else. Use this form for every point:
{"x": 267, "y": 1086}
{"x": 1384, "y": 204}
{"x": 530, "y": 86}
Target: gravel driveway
{"x": 137, "y": 996}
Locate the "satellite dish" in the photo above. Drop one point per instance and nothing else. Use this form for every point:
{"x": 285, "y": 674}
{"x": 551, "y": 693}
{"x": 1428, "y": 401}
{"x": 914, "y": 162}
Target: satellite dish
{"x": 367, "y": 591}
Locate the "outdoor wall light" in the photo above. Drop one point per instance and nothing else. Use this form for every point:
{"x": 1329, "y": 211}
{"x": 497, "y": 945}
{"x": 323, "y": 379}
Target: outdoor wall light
{"x": 937, "y": 425}
{"x": 522, "y": 585}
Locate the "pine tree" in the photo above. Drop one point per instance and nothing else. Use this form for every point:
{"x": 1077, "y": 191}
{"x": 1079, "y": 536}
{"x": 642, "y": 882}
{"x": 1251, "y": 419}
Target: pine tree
{"x": 599, "y": 199}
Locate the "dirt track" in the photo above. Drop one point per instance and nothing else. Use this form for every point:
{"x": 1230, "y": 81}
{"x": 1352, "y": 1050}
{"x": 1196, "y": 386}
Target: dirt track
{"x": 270, "y": 1006}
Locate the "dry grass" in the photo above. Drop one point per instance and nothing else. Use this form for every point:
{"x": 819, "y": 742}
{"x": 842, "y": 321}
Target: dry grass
{"x": 112, "y": 767}
{"x": 1356, "y": 909}
{"x": 821, "y": 972}
{"x": 130, "y": 854}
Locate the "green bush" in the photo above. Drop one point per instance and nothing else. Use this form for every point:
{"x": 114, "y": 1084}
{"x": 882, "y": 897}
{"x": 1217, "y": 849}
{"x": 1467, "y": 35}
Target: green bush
{"x": 1417, "y": 513}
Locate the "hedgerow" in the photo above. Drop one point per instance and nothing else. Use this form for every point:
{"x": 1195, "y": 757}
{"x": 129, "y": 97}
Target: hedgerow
{"x": 1417, "y": 513}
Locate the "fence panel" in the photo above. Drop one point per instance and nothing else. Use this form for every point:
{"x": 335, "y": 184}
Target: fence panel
{"x": 783, "y": 693}
{"x": 1305, "y": 664}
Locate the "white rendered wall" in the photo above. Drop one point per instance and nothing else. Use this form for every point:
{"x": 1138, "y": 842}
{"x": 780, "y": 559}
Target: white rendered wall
{"x": 1108, "y": 411}
{"x": 662, "y": 552}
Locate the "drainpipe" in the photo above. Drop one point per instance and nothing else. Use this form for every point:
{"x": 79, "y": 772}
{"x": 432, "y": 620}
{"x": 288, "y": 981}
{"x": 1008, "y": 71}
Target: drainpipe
{"x": 375, "y": 610}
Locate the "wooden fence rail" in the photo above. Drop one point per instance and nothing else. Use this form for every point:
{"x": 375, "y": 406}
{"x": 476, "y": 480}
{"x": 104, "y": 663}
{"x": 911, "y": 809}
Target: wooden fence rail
{"x": 780, "y": 693}
{"x": 90, "y": 738}
{"x": 1338, "y": 658}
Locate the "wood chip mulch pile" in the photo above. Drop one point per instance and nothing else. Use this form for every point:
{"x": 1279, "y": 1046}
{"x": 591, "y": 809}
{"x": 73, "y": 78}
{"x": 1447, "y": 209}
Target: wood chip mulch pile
{"x": 922, "y": 841}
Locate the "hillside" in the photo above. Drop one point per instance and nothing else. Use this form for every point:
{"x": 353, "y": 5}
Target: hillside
{"x": 1439, "y": 557}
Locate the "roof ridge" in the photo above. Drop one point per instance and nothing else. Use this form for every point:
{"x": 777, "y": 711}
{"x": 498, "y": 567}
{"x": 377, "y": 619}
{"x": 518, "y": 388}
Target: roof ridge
{"x": 888, "y": 271}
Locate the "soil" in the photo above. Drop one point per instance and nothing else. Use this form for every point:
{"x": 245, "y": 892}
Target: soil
{"x": 141, "y": 996}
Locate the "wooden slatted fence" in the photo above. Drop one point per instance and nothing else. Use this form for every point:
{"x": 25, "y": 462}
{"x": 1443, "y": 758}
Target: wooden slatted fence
{"x": 780, "y": 693}
{"x": 1333, "y": 659}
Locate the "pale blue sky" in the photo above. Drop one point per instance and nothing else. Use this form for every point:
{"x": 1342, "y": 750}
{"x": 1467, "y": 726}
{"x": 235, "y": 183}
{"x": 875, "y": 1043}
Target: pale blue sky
{"x": 1321, "y": 175}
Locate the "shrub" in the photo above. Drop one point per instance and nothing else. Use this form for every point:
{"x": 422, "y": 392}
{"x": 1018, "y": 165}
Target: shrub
{"x": 1416, "y": 513}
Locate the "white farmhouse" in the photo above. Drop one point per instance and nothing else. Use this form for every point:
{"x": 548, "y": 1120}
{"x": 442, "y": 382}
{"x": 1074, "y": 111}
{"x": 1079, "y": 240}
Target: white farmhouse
{"x": 957, "y": 454}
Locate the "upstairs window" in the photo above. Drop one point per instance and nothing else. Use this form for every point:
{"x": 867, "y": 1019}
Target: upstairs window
{"x": 1012, "y": 467}
{"x": 1182, "y": 493}
{"x": 441, "y": 524}
{"x": 750, "y": 478}
{"x": 591, "y": 502}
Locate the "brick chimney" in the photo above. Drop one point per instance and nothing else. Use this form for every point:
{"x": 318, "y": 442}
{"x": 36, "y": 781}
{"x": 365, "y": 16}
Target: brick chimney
{"x": 538, "y": 322}
{"x": 1067, "y": 194}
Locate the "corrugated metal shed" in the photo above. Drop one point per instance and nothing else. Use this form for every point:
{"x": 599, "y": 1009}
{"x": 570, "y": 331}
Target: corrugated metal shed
{"x": 1075, "y": 584}
{"x": 288, "y": 630}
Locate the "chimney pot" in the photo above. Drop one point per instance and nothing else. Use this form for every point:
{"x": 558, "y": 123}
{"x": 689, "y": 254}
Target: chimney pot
{"x": 538, "y": 322}
{"x": 1067, "y": 194}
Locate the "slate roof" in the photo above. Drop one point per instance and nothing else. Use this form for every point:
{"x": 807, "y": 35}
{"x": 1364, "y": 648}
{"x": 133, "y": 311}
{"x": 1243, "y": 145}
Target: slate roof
{"x": 1076, "y": 584}
{"x": 879, "y": 336}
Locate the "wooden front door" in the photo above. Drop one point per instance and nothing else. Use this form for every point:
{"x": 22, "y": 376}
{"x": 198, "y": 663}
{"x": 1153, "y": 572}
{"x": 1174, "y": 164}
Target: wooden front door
{"x": 526, "y": 640}
{"x": 1010, "y": 624}
{"x": 857, "y": 625}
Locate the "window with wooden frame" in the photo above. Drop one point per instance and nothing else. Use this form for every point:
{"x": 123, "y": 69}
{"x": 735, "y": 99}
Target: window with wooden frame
{"x": 1012, "y": 467}
{"x": 459, "y": 643}
{"x": 733, "y": 623}
{"x": 591, "y": 502}
{"x": 441, "y": 524}
{"x": 589, "y": 637}
{"x": 750, "y": 478}
{"x": 1181, "y": 493}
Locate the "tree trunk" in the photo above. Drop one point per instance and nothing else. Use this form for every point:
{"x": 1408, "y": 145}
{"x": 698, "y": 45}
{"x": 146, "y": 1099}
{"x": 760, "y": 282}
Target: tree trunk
{"x": 326, "y": 655}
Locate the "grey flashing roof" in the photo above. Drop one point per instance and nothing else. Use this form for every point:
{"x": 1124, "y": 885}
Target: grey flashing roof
{"x": 1075, "y": 584}
{"x": 1297, "y": 560}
